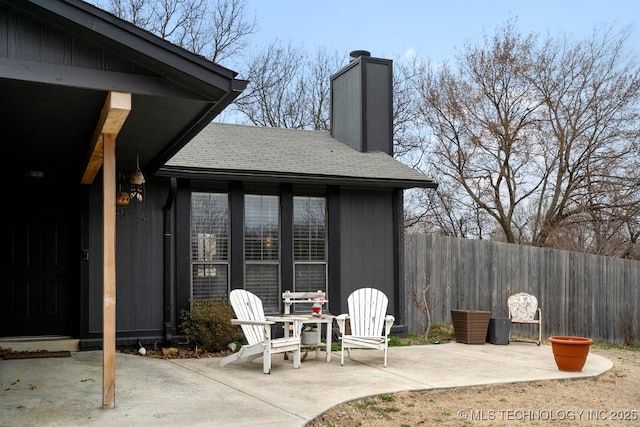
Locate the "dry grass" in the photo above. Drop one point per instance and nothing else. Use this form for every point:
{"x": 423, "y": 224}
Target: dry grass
{"x": 612, "y": 399}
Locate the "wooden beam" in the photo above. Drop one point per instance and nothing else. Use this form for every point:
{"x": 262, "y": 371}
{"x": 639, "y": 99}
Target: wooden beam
{"x": 109, "y": 273}
{"x": 114, "y": 113}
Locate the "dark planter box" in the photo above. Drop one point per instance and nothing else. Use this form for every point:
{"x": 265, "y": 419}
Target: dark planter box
{"x": 470, "y": 326}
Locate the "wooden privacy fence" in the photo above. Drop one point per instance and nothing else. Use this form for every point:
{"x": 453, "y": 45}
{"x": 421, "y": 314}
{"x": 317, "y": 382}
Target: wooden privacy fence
{"x": 580, "y": 294}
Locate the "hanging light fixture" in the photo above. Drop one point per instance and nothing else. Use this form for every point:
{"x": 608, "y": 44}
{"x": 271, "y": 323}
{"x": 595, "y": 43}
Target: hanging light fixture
{"x": 137, "y": 182}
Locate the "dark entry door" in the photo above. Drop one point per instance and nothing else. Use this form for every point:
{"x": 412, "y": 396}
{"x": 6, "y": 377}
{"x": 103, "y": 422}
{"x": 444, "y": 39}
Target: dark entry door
{"x": 38, "y": 288}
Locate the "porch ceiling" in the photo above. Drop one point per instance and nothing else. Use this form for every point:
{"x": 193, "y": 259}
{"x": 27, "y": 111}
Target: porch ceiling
{"x": 48, "y": 128}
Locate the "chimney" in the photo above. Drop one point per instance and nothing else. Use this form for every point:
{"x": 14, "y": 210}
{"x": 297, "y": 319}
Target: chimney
{"x": 362, "y": 103}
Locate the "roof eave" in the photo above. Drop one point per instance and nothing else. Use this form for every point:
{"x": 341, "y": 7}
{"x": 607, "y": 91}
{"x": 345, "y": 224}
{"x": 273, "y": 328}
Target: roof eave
{"x": 262, "y": 176}
{"x": 195, "y": 129}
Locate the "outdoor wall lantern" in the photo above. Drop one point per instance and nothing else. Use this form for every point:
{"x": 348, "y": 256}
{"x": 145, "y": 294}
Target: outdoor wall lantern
{"x": 136, "y": 189}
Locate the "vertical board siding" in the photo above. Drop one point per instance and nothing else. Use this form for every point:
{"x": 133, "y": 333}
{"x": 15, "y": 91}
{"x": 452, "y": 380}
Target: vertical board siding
{"x": 21, "y": 38}
{"x": 579, "y": 294}
{"x": 366, "y": 248}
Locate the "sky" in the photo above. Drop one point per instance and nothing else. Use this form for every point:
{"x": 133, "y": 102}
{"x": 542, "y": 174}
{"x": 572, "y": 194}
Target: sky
{"x": 434, "y": 30}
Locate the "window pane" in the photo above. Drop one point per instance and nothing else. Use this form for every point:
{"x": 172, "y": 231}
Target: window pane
{"x": 209, "y": 281}
{"x": 261, "y": 228}
{"x": 263, "y": 280}
{"x": 310, "y": 277}
{"x": 209, "y": 227}
{"x": 209, "y": 245}
{"x": 309, "y": 229}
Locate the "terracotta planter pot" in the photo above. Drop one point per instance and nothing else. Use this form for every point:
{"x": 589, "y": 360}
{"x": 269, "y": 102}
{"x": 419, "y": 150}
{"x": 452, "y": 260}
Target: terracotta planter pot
{"x": 570, "y": 353}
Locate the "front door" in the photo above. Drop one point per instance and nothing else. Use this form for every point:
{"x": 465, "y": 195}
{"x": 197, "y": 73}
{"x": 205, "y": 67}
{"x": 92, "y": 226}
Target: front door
{"x": 38, "y": 286}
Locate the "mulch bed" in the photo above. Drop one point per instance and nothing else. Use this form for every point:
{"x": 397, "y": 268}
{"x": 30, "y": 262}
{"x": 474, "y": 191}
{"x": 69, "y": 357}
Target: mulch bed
{"x": 9, "y": 355}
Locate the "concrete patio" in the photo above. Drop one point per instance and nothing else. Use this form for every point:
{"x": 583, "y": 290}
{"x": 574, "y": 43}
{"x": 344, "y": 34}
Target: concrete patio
{"x": 197, "y": 392}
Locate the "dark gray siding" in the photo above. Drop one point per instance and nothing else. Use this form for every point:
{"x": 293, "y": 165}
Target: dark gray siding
{"x": 183, "y": 245}
{"x": 367, "y": 243}
{"x": 140, "y": 268}
{"x": 363, "y": 252}
{"x": 24, "y": 39}
{"x": 378, "y": 101}
{"x": 346, "y": 112}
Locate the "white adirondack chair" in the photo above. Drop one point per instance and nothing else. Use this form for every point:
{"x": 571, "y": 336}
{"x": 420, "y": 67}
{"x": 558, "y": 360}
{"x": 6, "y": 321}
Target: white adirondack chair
{"x": 257, "y": 331}
{"x": 523, "y": 308}
{"x": 367, "y": 318}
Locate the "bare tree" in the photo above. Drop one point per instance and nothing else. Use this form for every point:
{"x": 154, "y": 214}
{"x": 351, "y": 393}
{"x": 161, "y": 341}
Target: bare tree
{"x": 590, "y": 94}
{"x": 287, "y": 88}
{"x": 540, "y": 136}
{"x": 409, "y": 134}
{"x": 423, "y": 305}
{"x": 442, "y": 212}
{"x": 319, "y": 71}
{"x": 229, "y": 29}
{"x": 215, "y": 29}
{"x": 275, "y": 97}
{"x": 138, "y": 12}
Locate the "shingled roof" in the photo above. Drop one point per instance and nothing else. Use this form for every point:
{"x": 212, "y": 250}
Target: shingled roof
{"x": 239, "y": 152}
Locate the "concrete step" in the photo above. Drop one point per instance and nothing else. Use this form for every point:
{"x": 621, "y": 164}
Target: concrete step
{"x": 49, "y": 343}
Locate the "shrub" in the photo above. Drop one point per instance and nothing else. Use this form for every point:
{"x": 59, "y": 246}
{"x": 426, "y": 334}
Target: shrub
{"x": 208, "y": 324}
{"x": 441, "y": 332}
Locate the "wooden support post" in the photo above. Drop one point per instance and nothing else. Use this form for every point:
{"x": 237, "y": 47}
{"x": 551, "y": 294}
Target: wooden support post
{"x": 109, "y": 274}
{"x": 102, "y": 153}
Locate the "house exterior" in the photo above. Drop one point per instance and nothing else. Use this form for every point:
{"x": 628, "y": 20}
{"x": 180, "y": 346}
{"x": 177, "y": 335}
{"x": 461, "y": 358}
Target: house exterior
{"x": 274, "y": 209}
{"x": 222, "y": 206}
